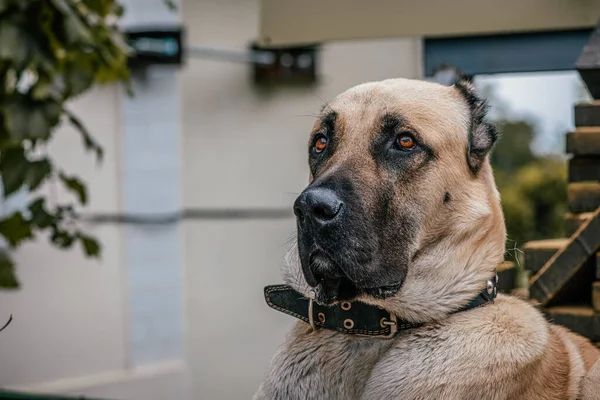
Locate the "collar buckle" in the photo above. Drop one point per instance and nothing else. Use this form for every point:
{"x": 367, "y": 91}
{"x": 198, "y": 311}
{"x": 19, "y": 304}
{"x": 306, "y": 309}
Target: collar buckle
{"x": 393, "y": 324}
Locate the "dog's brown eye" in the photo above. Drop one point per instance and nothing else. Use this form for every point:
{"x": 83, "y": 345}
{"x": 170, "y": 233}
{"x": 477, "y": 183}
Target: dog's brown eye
{"x": 406, "y": 142}
{"x": 320, "y": 143}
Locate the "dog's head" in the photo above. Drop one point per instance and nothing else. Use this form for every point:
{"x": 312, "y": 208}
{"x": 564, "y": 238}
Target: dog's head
{"x": 402, "y": 210}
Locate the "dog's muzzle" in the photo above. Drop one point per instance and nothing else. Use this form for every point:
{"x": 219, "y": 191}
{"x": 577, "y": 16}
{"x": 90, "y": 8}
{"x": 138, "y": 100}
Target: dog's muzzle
{"x": 336, "y": 248}
{"x": 318, "y": 211}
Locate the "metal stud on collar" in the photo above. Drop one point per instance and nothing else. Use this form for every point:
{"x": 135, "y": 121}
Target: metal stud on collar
{"x": 321, "y": 317}
{"x": 490, "y": 287}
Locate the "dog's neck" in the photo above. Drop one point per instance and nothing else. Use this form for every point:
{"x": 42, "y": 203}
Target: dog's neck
{"x": 441, "y": 285}
{"x": 453, "y": 268}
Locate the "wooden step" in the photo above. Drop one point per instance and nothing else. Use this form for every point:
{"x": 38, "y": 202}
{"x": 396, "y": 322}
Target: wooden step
{"x": 574, "y": 221}
{"x": 582, "y": 320}
{"x": 584, "y": 141}
{"x": 507, "y": 276}
{"x": 583, "y": 196}
{"x": 578, "y": 289}
{"x": 538, "y": 252}
{"x": 565, "y": 263}
{"x": 587, "y": 114}
{"x": 584, "y": 169}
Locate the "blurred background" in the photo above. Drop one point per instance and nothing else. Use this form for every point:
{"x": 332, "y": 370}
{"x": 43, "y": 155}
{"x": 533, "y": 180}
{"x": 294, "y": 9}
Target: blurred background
{"x": 158, "y": 292}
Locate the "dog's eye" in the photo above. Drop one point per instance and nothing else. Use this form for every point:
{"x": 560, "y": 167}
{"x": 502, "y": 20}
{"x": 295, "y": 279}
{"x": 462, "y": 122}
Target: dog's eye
{"x": 320, "y": 143}
{"x": 406, "y": 142}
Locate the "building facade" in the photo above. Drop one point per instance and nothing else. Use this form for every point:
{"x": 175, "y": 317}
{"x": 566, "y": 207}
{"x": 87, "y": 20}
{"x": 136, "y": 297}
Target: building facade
{"x": 192, "y": 205}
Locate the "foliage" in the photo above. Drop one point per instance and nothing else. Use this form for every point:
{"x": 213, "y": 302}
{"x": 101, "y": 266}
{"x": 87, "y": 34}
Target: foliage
{"x": 50, "y": 52}
{"x": 513, "y": 150}
{"x": 533, "y": 189}
{"x": 534, "y": 200}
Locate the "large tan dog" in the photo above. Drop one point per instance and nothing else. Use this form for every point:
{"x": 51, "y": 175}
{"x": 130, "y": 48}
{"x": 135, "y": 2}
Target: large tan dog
{"x": 402, "y": 213}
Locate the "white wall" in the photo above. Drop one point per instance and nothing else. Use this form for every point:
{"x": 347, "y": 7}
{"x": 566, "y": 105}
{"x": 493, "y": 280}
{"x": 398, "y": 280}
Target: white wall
{"x": 246, "y": 149}
{"x": 69, "y": 313}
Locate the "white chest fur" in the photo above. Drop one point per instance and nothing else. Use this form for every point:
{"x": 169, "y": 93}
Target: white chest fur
{"x": 468, "y": 356}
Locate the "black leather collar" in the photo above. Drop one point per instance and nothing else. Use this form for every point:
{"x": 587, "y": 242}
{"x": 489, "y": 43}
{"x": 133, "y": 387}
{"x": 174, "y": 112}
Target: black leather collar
{"x": 354, "y": 318}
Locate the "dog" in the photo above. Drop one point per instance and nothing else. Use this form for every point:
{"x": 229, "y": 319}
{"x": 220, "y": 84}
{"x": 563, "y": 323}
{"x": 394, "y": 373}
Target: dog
{"x": 402, "y": 218}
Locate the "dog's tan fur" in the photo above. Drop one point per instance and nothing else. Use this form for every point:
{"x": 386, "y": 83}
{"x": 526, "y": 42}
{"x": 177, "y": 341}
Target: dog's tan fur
{"x": 505, "y": 350}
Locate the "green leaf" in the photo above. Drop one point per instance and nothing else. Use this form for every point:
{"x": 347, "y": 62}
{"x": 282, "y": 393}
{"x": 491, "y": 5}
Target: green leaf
{"x": 21, "y": 118}
{"x": 39, "y": 216}
{"x": 15, "y": 229}
{"x": 41, "y": 90}
{"x": 27, "y": 119}
{"x": 76, "y": 31}
{"x": 76, "y": 186}
{"x": 16, "y": 170}
{"x": 91, "y": 247}
{"x": 44, "y": 86}
{"x": 88, "y": 142}
{"x": 8, "y": 279}
{"x": 78, "y": 79}
{"x": 6, "y": 4}
{"x": 104, "y": 7}
{"x": 39, "y": 32}
{"x": 12, "y": 45}
{"x": 37, "y": 171}
{"x": 63, "y": 6}
{"x": 62, "y": 238}
{"x": 118, "y": 10}
{"x": 52, "y": 112}
{"x": 13, "y": 169}
{"x": 37, "y": 126}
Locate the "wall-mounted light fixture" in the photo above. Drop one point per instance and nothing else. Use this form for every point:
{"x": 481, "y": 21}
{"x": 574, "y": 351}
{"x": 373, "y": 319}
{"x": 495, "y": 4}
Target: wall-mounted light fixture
{"x": 285, "y": 65}
{"x": 155, "y": 45}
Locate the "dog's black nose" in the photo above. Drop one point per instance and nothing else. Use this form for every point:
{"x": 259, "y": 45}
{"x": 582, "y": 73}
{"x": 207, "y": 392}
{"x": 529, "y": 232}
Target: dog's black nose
{"x": 319, "y": 205}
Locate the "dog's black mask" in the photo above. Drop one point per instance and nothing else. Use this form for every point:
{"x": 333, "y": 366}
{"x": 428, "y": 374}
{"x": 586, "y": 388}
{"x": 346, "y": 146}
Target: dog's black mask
{"x": 347, "y": 248}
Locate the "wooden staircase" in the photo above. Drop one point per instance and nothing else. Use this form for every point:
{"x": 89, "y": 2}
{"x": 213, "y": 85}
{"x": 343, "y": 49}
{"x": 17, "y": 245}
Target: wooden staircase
{"x": 566, "y": 272}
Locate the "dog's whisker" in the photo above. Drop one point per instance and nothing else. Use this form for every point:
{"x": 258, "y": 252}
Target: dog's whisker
{"x": 291, "y": 240}
{"x": 324, "y": 102}
{"x": 512, "y": 252}
{"x": 307, "y": 115}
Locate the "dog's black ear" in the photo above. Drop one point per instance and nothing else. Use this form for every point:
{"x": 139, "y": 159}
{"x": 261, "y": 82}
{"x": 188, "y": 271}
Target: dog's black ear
{"x": 482, "y": 134}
